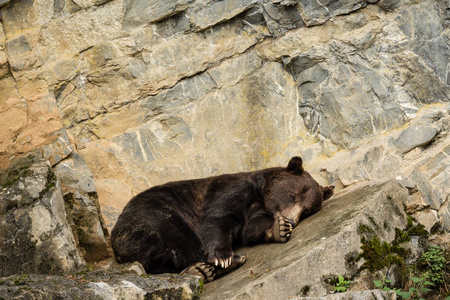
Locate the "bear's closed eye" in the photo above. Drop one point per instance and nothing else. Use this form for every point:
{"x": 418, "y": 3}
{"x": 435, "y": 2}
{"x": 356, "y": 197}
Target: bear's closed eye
{"x": 191, "y": 226}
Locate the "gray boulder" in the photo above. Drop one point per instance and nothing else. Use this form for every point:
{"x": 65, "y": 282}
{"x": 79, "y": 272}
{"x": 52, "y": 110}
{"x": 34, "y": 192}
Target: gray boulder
{"x": 323, "y": 246}
{"x": 415, "y": 136}
{"x": 81, "y": 200}
{"x": 100, "y": 285}
{"x": 317, "y": 13}
{"x": 35, "y": 235}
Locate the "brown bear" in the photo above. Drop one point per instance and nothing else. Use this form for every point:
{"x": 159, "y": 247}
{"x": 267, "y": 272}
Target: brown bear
{"x": 191, "y": 226}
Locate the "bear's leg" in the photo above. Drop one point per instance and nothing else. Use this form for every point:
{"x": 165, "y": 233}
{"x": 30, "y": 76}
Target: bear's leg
{"x": 218, "y": 240}
{"x": 223, "y": 219}
{"x": 166, "y": 244}
{"x": 256, "y": 226}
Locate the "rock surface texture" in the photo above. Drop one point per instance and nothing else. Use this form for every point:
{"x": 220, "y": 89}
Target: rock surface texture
{"x": 36, "y": 237}
{"x": 99, "y": 286}
{"x": 111, "y": 97}
{"x": 371, "y": 294}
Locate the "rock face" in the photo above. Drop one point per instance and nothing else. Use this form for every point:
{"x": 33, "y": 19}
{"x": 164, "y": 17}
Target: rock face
{"x": 372, "y": 294}
{"x": 414, "y": 137}
{"x": 100, "y": 285}
{"x": 35, "y": 235}
{"x": 324, "y": 245}
{"x": 147, "y": 92}
{"x": 80, "y": 196}
{"x": 116, "y": 96}
{"x": 424, "y": 169}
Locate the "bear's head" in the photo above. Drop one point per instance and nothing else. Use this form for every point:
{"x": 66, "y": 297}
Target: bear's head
{"x": 293, "y": 193}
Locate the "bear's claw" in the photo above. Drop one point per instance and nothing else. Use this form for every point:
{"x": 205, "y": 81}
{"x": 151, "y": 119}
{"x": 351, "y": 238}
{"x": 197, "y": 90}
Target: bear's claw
{"x": 236, "y": 261}
{"x": 204, "y": 270}
{"x": 222, "y": 257}
{"x": 224, "y": 263}
{"x": 208, "y": 272}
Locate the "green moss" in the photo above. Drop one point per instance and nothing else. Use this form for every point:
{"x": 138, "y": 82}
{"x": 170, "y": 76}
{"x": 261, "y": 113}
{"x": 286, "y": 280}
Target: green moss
{"x": 364, "y": 229}
{"x": 418, "y": 230}
{"x": 378, "y": 255}
{"x": 401, "y": 236}
{"x": 373, "y": 222}
{"x": 19, "y": 281}
{"x": 14, "y": 175}
{"x": 201, "y": 285}
{"x": 51, "y": 183}
{"x": 410, "y": 221}
{"x": 19, "y": 168}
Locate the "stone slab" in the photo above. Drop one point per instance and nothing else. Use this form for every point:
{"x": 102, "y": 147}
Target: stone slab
{"x": 34, "y": 234}
{"x": 320, "y": 246}
{"x": 414, "y": 136}
{"x": 361, "y": 295}
{"x": 100, "y": 285}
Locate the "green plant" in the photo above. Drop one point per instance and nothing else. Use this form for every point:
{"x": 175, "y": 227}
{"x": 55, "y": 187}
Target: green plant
{"x": 429, "y": 275}
{"x": 382, "y": 284}
{"x": 418, "y": 288}
{"x": 436, "y": 263}
{"x": 342, "y": 285}
{"x": 416, "y": 291}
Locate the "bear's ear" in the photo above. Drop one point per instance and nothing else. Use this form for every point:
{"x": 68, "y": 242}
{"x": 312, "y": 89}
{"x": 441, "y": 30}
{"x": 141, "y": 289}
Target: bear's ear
{"x": 328, "y": 191}
{"x": 295, "y": 165}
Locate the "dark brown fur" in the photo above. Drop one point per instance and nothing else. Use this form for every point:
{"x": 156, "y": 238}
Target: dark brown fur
{"x": 170, "y": 227}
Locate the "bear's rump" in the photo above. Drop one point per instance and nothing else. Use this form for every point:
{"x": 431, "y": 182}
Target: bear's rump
{"x": 161, "y": 240}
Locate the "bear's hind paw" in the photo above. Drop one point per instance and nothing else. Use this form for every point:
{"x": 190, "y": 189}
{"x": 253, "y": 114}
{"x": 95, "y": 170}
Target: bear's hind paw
{"x": 204, "y": 270}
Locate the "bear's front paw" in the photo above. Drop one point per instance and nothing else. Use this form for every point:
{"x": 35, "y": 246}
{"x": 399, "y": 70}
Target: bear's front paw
{"x": 281, "y": 230}
{"x": 221, "y": 257}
